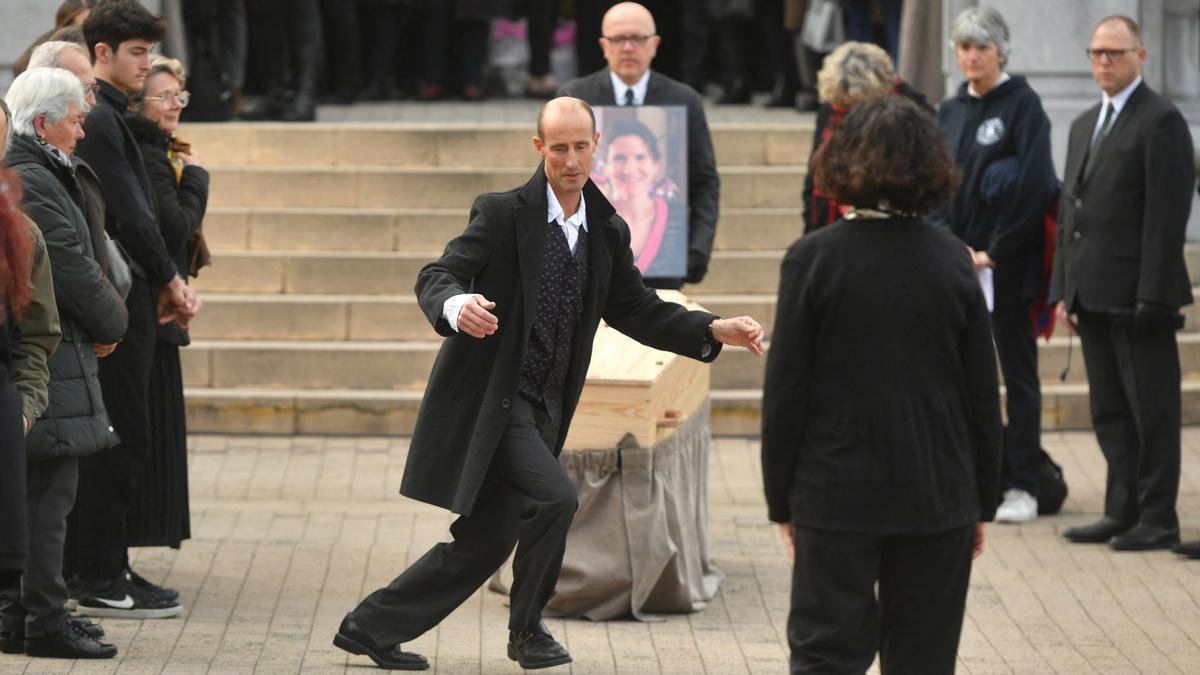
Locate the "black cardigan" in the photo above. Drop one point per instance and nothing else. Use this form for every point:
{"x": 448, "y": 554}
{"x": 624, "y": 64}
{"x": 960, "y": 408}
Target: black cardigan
{"x": 881, "y": 408}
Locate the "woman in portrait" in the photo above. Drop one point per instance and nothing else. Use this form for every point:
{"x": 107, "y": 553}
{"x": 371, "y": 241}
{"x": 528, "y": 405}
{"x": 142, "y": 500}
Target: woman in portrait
{"x": 881, "y": 414}
{"x": 632, "y": 179}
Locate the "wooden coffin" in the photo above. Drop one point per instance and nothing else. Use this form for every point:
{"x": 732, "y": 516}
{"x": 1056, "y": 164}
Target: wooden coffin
{"x": 632, "y": 388}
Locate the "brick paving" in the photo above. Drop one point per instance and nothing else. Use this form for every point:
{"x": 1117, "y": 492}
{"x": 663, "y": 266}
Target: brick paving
{"x": 290, "y": 532}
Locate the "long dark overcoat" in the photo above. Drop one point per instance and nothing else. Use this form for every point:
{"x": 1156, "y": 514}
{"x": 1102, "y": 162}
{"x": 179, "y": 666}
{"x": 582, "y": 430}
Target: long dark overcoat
{"x": 467, "y": 401}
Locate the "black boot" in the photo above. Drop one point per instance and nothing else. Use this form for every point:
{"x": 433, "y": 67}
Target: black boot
{"x": 536, "y": 648}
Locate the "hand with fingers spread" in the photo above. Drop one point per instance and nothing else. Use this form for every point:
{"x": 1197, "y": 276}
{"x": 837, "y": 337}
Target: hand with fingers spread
{"x": 476, "y": 319}
{"x": 740, "y": 331}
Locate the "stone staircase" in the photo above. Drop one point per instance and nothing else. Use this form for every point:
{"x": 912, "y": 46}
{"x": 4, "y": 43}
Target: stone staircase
{"x": 310, "y": 325}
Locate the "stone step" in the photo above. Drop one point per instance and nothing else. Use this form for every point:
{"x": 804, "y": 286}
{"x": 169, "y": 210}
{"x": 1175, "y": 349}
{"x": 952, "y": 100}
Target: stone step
{"x": 378, "y": 230}
{"x": 264, "y": 316}
{"x": 736, "y": 412}
{"x": 360, "y": 273}
{"x": 442, "y": 187}
{"x": 453, "y": 145}
{"x": 400, "y": 365}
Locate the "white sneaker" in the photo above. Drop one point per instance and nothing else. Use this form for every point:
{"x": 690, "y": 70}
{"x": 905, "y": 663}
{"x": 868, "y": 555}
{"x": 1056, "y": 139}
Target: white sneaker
{"x": 1018, "y": 507}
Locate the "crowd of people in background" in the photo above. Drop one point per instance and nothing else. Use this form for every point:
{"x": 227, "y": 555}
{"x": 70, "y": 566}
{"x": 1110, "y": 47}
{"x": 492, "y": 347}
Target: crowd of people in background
{"x": 101, "y": 218}
{"x": 269, "y": 59}
{"x": 101, "y": 208}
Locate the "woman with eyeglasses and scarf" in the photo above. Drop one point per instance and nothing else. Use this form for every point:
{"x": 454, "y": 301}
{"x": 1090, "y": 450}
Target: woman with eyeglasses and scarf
{"x": 160, "y": 512}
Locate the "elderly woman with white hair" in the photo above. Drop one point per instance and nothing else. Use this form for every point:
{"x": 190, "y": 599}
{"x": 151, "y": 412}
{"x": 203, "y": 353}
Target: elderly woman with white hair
{"x": 48, "y": 106}
{"x": 1000, "y": 138}
{"x": 853, "y": 72}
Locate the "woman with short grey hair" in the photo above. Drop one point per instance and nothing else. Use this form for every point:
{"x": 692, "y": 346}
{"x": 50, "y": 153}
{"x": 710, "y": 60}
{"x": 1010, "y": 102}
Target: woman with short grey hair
{"x": 47, "y": 113}
{"x": 1000, "y": 138}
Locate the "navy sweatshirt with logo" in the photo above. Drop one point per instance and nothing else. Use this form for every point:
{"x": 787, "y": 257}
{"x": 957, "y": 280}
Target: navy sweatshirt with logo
{"x": 1001, "y": 145}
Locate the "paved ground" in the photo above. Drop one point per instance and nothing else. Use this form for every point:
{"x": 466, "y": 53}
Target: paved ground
{"x": 290, "y": 532}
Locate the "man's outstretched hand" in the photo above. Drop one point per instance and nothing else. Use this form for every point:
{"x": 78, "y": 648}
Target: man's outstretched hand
{"x": 476, "y": 319}
{"x": 740, "y": 331}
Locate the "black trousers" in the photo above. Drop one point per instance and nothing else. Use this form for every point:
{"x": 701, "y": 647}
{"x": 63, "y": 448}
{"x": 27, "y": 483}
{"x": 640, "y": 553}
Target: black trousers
{"x": 1133, "y": 385}
{"x": 1016, "y": 346}
{"x": 108, "y": 479}
{"x": 41, "y": 602}
{"x": 527, "y": 500}
{"x": 837, "y": 622}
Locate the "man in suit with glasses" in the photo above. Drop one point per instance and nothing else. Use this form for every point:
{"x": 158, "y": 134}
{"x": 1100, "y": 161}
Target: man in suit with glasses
{"x": 1119, "y": 270}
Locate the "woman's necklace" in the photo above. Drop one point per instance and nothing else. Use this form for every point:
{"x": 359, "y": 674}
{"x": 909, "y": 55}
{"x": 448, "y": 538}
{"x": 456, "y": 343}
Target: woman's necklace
{"x": 881, "y": 213}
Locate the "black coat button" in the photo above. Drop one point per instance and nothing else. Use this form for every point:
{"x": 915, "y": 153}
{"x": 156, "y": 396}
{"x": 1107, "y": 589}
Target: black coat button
{"x": 505, "y": 403}
{"x": 1077, "y": 235}
{"x": 1078, "y": 203}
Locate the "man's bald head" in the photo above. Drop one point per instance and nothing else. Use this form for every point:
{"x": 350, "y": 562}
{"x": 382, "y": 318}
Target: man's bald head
{"x": 554, "y": 108}
{"x": 629, "y": 41}
{"x": 628, "y": 13}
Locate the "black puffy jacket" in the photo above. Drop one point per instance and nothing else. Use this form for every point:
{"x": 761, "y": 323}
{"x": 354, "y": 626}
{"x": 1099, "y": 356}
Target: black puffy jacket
{"x": 91, "y": 311}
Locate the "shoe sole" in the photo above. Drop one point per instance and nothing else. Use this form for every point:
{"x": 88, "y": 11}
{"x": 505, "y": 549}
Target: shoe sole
{"x": 48, "y": 655}
{"x": 358, "y": 649}
{"x": 72, "y": 603}
{"x": 515, "y": 656}
{"x": 12, "y": 646}
{"x": 113, "y": 613}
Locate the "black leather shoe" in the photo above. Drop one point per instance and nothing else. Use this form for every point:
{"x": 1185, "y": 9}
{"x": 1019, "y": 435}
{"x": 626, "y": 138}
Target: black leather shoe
{"x": 12, "y": 641}
{"x": 1144, "y": 537}
{"x": 351, "y": 638}
{"x": 1189, "y": 549}
{"x": 69, "y": 642}
{"x": 93, "y": 630}
{"x": 1096, "y": 533}
{"x": 533, "y": 649}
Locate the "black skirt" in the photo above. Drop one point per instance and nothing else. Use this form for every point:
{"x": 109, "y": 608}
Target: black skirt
{"x": 159, "y": 514}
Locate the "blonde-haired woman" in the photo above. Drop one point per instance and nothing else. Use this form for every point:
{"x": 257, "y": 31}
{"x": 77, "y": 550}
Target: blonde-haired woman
{"x": 159, "y": 515}
{"x": 851, "y": 73}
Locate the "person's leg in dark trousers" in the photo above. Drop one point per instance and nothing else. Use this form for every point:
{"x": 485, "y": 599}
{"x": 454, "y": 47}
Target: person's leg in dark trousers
{"x": 1016, "y": 346}
{"x": 695, "y": 28}
{"x": 107, "y": 478}
{"x": 833, "y": 624}
{"x": 923, "y": 583}
{"x": 527, "y": 497}
{"x": 52, "y": 486}
{"x": 471, "y": 38}
{"x": 891, "y": 10}
{"x": 1133, "y": 383}
{"x": 857, "y": 17}
{"x": 542, "y": 15}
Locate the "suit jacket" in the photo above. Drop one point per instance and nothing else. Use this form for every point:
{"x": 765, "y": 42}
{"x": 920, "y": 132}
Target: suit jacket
{"x": 466, "y": 404}
{"x": 1121, "y": 232}
{"x": 704, "y": 185}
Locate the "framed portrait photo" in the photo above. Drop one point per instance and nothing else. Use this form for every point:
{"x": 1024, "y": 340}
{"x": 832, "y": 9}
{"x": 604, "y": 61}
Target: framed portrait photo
{"x": 641, "y": 166}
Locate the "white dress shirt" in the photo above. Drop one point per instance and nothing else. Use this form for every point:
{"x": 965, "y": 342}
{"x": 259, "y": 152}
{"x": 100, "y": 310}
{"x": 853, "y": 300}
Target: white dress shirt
{"x": 1118, "y": 103}
{"x": 639, "y": 88}
{"x": 554, "y": 213}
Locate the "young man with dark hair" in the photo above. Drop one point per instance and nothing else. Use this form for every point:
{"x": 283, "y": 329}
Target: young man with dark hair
{"x": 120, "y": 35}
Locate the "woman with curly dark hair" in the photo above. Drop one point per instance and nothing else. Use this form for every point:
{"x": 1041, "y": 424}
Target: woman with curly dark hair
{"x": 881, "y": 412}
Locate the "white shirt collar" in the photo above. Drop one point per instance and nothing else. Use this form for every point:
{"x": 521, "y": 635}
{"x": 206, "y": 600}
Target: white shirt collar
{"x": 1122, "y": 97}
{"x": 639, "y": 88}
{"x": 554, "y": 211}
{"x": 1004, "y": 77}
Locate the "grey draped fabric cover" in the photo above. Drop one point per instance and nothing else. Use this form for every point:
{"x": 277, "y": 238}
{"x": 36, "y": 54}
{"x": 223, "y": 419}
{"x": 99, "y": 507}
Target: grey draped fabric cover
{"x": 639, "y": 542}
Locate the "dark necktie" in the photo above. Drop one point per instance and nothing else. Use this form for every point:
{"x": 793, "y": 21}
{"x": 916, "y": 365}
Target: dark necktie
{"x": 629, "y": 97}
{"x": 1094, "y": 150}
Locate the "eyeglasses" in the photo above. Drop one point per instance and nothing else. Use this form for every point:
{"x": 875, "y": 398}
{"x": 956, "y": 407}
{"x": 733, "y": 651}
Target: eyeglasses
{"x": 93, "y": 88}
{"x": 635, "y": 40}
{"x": 1112, "y": 54}
{"x": 165, "y": 99}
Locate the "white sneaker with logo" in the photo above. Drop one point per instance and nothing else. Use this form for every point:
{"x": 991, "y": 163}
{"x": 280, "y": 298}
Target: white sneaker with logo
{"x": 1018, "y": 507}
